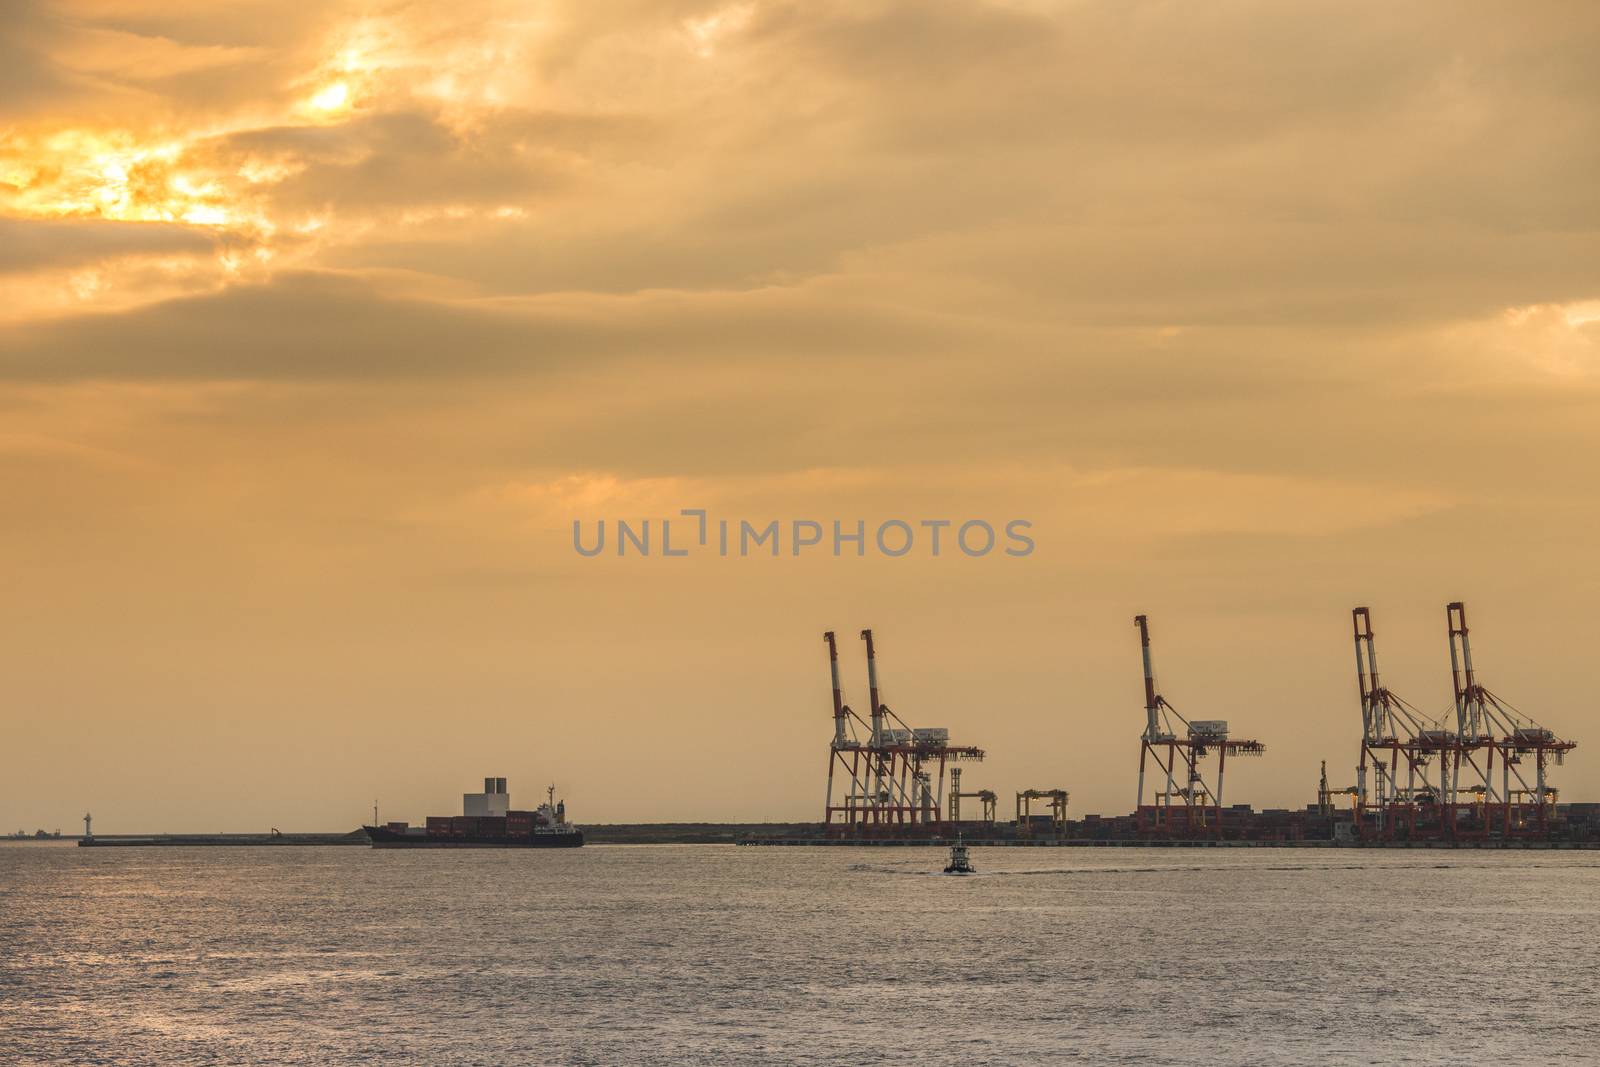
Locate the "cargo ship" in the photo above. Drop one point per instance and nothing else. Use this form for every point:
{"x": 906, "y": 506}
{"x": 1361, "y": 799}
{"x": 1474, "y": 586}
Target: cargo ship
{"x": 486, "y": 821}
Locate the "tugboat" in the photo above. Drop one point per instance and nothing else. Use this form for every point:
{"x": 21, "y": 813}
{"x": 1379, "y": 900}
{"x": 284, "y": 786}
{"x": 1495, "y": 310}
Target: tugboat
{"x": 959, "y": 864}
{"x": 487, "y": 822}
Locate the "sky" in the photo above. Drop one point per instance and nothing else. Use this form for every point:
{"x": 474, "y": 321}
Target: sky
{"x": 323, "y": 324}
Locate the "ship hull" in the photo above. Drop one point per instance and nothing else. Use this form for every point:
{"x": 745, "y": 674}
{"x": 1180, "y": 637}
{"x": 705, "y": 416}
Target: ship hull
{"x": 386, "y": 838}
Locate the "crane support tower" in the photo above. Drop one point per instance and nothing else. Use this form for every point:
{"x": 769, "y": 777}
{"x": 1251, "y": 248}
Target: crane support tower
{"x": 1183, "y": 802}
{"x": 889, "y": 773}
{"x": 1403, "y": 773}
{"x": 986, "y": 797}
{"x": 1326, "y": 793}
{"x": 1489, "y": 793}
{"x": 1058, "y": 810}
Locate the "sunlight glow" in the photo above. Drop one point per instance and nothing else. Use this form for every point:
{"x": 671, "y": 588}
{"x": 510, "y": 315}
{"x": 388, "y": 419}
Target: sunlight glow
{"x": 706, "y": 32}
{"x": 335, "y": 97}
{"x": 1582, "y": 314}
{"x": 77, "y": 173}
{"x": 1557, "y": 339}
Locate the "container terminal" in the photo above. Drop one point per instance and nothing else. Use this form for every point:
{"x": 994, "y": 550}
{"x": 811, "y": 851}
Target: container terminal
{"x": 1478, "y": 776}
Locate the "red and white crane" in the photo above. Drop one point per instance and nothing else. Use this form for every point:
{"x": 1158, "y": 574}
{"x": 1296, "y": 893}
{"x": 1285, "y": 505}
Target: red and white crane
{"x": 1399, "y": 746}
{"x": 1494, "y": 742}
{"x": 1182, "y": 802}
{"x": 889, "y": 775}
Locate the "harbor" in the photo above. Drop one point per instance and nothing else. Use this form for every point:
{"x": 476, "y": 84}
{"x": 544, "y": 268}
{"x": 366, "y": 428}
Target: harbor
{"x": 1476, "y": 776}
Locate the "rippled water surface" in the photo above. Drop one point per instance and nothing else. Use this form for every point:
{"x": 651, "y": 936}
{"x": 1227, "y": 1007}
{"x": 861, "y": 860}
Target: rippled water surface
{"x": 707, "y": 954}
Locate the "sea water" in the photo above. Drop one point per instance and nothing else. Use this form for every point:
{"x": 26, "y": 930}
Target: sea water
{"x": 716, "y": 954}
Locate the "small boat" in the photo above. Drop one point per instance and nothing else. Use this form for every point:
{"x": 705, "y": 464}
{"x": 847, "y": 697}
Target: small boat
{"x": 959, "y": 864}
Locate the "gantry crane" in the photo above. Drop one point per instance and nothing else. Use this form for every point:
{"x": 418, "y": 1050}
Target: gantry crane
{"x": 891, "y": 774}
{"x": 1058, "y": 809}
{"x": 1326, "y": 793}
{"x": 986, "y": 797}
{"x": 1399, "y": 746}
{"x": 1182, "y": 801}
{"x": 1488, "y": 729}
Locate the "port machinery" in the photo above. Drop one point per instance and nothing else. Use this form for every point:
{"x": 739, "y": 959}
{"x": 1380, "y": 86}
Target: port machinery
{"x": 1493, "y": 735}
{"x": 889, "y": 773}
{"x": 1400, "y": 746}
{"x": 1326, "y": 793}
{"x": 986, "y": 797}
{"x": 1462, "y": 779}
{"x": 1182, "y": 802}
{"x": 1058, "y": 810}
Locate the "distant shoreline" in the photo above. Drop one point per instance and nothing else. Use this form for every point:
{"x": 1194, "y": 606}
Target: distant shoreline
{"x": 788, "y": 835}
{"x": 605, "y": 834}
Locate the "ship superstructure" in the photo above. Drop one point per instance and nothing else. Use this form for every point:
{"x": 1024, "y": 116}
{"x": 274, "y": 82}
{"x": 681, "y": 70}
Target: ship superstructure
{"x": 487, "y": 820}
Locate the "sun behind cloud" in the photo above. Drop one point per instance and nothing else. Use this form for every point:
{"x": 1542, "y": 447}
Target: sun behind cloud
{"x": 335, "y": 97}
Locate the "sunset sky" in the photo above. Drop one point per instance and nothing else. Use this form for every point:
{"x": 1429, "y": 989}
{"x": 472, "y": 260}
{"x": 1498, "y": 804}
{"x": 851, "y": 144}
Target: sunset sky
{"x": 323, "y": 322}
